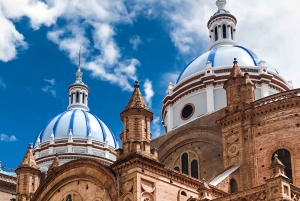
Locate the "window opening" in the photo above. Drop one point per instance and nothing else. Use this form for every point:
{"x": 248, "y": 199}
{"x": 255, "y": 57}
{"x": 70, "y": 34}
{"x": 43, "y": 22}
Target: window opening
{"x": 224, "y": 31}
{"x": 194, "y": 169}
{"x": 233, "y": 186}
{"x": 77, "y": 97}
{"x": 216, "y": 33}
{"x": 185, "y": 163}
{"x": 69, "y": 198}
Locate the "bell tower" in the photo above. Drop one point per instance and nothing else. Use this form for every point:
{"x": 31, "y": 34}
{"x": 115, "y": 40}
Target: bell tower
{"x": 28, "y": 177}
{"x": 239, "y": 89}
{"x": 136, "y": 118}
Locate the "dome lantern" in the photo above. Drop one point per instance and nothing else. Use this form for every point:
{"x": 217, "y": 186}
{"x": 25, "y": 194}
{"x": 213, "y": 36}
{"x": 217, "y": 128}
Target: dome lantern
{"x": 78, "y": 92}
{"x": 221, "y": 26}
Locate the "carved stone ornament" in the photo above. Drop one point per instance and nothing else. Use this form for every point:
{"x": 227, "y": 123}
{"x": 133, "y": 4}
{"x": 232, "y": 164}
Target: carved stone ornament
{"x": 231, "y": 139}
{"x": 232, "y": 150}
{"x": 127, "y": 197}
{"x": 127, "y": 186}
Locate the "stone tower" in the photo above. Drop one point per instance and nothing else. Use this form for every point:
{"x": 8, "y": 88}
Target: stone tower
{"x": 239, "y": 90}
{"x": 237, "y": 138}
{"x": 28, "y": 177}
{"x": 136, "y": 119}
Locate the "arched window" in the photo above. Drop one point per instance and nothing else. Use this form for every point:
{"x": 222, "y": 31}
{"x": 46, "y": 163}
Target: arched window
{"x": 224, "y": 31}
{"x": 285, "y": 157}
{"x": 83, "y": 98}
{"x": 194, "y": 169}
{"x": 233, "y": 186}
{"x": 69, "y": 198}
{"x": 177, "y": 168}
{"x": 185, "y": 163}
{"x": 71, "y": 98}
{"x": 216, "y": 33}
{"x": 77, "y": 97}
{"x": 231, "y": 33}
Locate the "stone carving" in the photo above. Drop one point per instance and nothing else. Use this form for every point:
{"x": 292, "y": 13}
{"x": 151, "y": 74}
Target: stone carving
{"x": 232, "y": 150}
{"x": 231, "y": 139}
{"x": 147, "y": 186}
{"x": 127, "y": 186}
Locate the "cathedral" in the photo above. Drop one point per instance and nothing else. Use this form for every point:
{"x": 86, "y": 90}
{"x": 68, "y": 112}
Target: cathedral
{"x": 231, "y": 133}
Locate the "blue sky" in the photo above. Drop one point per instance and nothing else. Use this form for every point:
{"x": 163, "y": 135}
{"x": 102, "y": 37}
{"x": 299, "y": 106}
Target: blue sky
{"x": 121, "y": 41}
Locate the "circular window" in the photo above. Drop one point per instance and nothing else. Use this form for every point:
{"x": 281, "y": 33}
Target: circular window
{"x": 187, "y": 111}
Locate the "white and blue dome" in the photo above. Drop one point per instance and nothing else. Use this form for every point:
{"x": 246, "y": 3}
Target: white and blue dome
{"x": 221, "y": 56}
{"x": 81, "y": 123}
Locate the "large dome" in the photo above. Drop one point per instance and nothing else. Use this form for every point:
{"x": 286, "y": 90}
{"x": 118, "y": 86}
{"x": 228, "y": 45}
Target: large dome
{"x": 81, "y": 123}
{"x": 222, "y": 56}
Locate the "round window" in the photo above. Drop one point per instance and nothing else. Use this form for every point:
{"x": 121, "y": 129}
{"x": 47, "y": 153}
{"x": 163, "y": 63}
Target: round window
{"x": 187, "y": 111}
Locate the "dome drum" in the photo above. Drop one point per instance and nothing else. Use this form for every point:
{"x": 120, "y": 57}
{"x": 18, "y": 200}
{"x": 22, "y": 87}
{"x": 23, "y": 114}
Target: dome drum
{"x": 201, "y": 82}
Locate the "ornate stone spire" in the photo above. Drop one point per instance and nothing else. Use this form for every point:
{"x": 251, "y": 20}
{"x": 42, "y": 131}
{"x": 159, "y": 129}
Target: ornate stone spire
{"x": 276, "y": 162}
{"x": 55, "y": 164}
{"x": 236, "y": 71}
{"x": 28, "y": 176}
{"x": 136, "y": 100}
{"x": 204, "y": 185}
{"x": 136, "y": 119}
{"x": 28, "y": 160}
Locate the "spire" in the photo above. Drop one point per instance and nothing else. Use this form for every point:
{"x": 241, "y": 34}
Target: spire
{"x": 276, "y": 162}
{"x": 136, "y": 100}
{"x": 221, "y": 4}
{"x": 79, "y": 73}
{"x": 28, "y": 160}
{"x": 236, "y": 71}
{"x": 55, "y": 164}
{"x": 70, "y": 139}
{"x": 204, "y": 185}
{"x": 78, "y": 91}
{"x": 136, "y": 135}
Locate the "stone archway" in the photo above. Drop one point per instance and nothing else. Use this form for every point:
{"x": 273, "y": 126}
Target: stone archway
{"x": 86, "y": 178}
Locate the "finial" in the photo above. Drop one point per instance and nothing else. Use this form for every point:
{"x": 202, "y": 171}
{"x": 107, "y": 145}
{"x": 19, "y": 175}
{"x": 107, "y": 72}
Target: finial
{"x": 79, "y": 55}
{"x": 30, "y": 146}
{"x": 221, "y": 4}
{"x": 136, "y": 84}
{"x": 235, "y": 61}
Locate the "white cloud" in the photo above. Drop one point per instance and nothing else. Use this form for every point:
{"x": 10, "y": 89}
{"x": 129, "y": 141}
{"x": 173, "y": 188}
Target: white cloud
{"x": 2, "y": 83}
{"x": 6, "y": 138}
{"x": 51, "y": 81}
{"x": 50, "y": 88}
{"x": 155, "y": 127}
{"x": 98, "y": 15}
{"x": 135, "y": 41}
{"x": 149, "y": 93}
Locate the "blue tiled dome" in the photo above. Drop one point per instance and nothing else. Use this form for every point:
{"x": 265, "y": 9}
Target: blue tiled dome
{"x": 221, "y": 56}
{"x": 80, "y": 123}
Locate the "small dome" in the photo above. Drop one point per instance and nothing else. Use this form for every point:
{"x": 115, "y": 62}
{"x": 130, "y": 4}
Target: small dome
{"x": 221, "y": 56}
{"x": 221, "y": 11}
{"x": 81, "y": 123}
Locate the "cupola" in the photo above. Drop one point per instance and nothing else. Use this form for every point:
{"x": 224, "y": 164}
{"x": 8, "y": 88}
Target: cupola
{"x": 221, "y": 26}
{"x": 78, "y": 92}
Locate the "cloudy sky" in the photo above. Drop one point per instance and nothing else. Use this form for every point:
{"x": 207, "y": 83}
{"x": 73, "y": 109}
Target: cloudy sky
{"x": 148, "y": 40}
